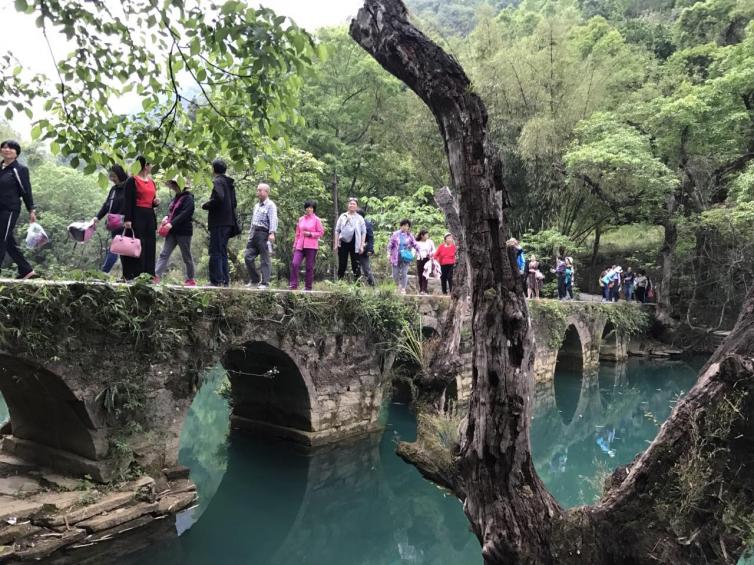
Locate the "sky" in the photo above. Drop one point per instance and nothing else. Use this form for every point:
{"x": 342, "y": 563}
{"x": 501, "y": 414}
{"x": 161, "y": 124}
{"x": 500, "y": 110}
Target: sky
{"x": 25, "y": 40}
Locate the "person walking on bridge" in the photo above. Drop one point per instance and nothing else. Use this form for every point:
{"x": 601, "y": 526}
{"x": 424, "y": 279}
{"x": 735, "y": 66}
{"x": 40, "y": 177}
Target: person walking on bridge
{"x": 308, "y": 232}
{"x": 178, "y": 229}
{"x": 366, "y": 257}
{"x": 15, "y": 186}
{"x": 446, "y": 256}
{"x": 350, "y": 233}
{"x": 112, "y": 210}
{"x": 264, "y": 226}
{"x": 140, "y": 200}
{"x": 402, "y": 251}
{"x": 221, "y": 221}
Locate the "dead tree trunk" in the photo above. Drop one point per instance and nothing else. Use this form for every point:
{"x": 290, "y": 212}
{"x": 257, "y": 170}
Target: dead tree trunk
{"x": 686, "y": 499}
{"x": 447, "y": 364}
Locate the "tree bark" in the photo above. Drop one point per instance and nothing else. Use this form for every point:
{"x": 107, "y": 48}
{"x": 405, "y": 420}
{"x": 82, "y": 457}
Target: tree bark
{"x": 495, "y": 448}
{"x": 684, "y": 500}
{"x": 447, "y": 364}
{"x": 664, "y": 310}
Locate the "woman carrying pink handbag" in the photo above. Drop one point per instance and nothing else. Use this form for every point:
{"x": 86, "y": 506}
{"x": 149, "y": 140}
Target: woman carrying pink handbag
{"x": 140, "y": 201}
{"x": 112, "y": 211}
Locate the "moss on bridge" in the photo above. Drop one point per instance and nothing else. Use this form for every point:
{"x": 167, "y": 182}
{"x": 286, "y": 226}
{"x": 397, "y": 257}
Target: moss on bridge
{"x": 122, "y": 330}
{"x": 41, "y": 320}
{"x": 551, "y": 317}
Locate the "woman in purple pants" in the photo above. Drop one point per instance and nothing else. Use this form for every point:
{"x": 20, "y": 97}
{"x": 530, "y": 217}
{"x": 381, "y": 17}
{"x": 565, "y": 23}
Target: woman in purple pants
{"x": 308, "y": 231}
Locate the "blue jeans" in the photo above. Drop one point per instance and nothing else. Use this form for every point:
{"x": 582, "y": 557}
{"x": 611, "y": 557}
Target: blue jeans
{"x": 219, "y": 273}
{"x": 110, "y": 260}
{"x": 629, "y": 291}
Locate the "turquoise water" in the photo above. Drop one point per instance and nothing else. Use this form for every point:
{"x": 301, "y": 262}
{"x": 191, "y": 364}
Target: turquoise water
{"x": 267, "y": 503}
{"x": 584, "y": 427}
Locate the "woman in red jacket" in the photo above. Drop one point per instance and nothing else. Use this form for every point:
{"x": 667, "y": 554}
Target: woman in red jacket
{"x": 446, "y": 256}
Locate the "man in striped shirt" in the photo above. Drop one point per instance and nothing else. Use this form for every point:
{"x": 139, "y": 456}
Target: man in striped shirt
{"x": 264, "y": 225}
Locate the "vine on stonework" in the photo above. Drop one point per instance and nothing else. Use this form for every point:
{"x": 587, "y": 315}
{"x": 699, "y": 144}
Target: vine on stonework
{"x": 44, "y": 322}
{"x": 551, "y": 318}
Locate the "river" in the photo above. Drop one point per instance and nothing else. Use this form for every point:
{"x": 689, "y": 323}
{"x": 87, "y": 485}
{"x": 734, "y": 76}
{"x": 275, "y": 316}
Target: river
{"x": 269, "y": 503}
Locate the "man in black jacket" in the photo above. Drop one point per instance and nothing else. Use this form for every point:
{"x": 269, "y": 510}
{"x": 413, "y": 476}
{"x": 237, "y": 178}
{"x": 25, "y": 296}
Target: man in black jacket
{"x": 221, "y": 221}
{"x": 15, "y": 186}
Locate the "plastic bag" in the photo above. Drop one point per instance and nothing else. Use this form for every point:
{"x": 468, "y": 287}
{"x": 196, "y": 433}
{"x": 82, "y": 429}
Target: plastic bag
{"x": 36, "y": 236}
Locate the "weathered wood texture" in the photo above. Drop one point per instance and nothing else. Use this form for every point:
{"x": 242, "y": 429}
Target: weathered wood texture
{"x": 687, "y": 498}
{"x": 506, "y": 502}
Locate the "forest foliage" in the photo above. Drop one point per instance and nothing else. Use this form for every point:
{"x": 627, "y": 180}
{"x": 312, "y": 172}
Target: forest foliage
{"x": 607, "y": 113}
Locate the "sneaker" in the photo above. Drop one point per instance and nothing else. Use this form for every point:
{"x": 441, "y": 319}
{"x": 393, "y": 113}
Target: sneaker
{"x": 263, "y": 286}
{"x": 252, "y": 284}
{"x": 403, "y": 291}
{"x": 189, "y": 282}
{"x": 156, "y": 279}
{"x": 27, "y": 276}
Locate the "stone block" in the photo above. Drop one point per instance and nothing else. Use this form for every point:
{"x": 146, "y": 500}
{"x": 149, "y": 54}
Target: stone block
{"x": 18, "y": 485}
{"x": 45, "y": 547}
{"x": 172, "y": 503}
{"x": 57, "y": 501}
{"x": 177, "y": 472}
{"x": 61, "y": 481}
{"x": 117, "y": 517}
{"x": 10, "y": 534}
{"x": 18, "y": 509}
{"x": 121, "y": 529}
{"x": 10, "y": 464}
{"x": 106, "y": 504}
{"x": 63, "y": 461}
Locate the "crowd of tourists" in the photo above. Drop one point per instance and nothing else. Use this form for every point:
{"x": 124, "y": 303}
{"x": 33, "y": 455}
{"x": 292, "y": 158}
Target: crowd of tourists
{"x": 129, "y": 216}
{"x": 634, "y": 286}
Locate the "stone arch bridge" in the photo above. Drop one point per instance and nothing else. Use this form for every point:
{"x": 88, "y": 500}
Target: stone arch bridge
{"x": 98, "y": 376}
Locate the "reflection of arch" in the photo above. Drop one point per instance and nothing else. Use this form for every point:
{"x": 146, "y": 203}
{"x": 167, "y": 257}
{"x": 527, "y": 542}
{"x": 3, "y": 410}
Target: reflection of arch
{"x": 43, "y": 409}
{"x": 268, "y": 387}
{"x": 609, "y": 342}
{"x": 568, "y": 380}
{"x": 450, "y": 396}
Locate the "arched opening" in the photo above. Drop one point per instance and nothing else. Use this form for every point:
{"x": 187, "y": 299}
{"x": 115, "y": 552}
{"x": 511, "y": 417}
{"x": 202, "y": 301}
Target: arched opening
{"x": 569, "y": 375}
{"x": 402, "y": 392}
{"x": 42, "y": 409}
{"x": 428, "y": 332}
{"x": 609, "y": 343}
{"x": 450, "y": 397}
{"x": 267, "y": 387}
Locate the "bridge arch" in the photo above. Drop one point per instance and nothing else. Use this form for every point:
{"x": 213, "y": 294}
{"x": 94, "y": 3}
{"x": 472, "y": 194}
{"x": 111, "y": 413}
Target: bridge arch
{"x": 45, "y": 413}
{"x": 269, "y": 388}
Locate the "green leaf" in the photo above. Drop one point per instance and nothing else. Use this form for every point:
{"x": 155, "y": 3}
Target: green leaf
{"x": 36, "y": 131}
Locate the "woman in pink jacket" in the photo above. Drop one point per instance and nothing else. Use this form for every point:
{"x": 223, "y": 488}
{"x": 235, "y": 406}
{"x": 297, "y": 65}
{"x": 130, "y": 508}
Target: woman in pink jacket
{"x": 308, "y": 231}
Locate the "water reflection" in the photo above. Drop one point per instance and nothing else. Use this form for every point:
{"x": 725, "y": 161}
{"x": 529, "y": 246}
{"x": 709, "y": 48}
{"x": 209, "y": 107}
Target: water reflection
{"x": 269, "y": 503}
{"x": 265, "y": 503}
{"x": 618, "y": 413}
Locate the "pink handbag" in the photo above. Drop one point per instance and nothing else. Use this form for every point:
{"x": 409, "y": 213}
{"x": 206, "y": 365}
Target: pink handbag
{"x": 114, "y": 222}
{"x": 126, "y": 246}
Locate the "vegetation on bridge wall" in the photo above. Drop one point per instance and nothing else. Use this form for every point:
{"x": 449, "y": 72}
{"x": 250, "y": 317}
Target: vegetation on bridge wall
{"x": 104, "y": 338}
{"x": 551, "y": 318}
